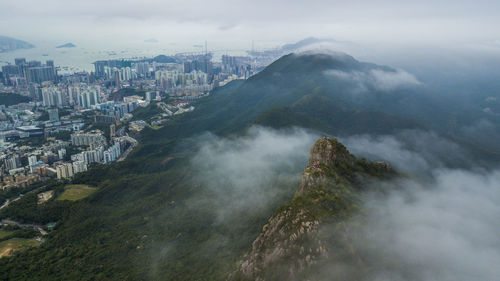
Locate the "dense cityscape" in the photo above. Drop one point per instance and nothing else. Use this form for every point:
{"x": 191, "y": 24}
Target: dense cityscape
{"x": 66, "y": 123}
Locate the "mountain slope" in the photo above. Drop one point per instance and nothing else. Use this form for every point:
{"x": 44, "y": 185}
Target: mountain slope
{"x": 143, "y": 223}
{"x": 297, "y": 81}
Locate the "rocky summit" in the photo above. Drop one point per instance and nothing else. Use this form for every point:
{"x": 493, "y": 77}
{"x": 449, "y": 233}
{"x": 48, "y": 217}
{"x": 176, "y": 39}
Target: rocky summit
{"x": 294, "y": 243}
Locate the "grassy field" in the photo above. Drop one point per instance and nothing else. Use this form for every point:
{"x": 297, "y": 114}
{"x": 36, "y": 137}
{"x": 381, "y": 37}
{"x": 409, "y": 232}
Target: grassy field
{"x": 75, "y": 192}
{"x": 4, "y": 233}
{"x": 10, "y": 246}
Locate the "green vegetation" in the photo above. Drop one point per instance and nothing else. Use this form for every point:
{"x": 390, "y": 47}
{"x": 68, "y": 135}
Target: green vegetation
{"x": 146, "y": 113}
{"x": 142, "y": 223}
{"x": 27, "y": 210}
{"x": 4, "y": 234}
{"x": 45, "y": 114}
{"x": 76, "y": 192}
{"x": 63, "y": 135}
{"x": 8, "y": 99}
{"x": 11, "y": 246}
{"x": 14, "y": 191}
{"x": 9, "y": 232}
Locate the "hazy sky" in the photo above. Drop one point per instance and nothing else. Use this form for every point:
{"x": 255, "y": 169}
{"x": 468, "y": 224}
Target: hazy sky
{"x": 236, "y": 23}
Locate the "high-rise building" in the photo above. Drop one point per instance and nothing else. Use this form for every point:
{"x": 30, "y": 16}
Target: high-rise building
{"x": 10, "y": 70}
{"x": 12, "y": 162}
{"x": 99, "y": 68}
{"x": 53, "y": 97}
{"x": 112, "y": 131}
{"x": 88, "y": 98}
{"x": 53, "y": 114}
{"x": 151, "y": 96}
{"x": 40, "y": 74}
{"x": 79, "y": 139}
{"x": 79, "y": 166}
{"x": 61, "y": 153}
{"x": 20, "y": 61}
{"x": 64, "y": 171}
{"x": 32, "y": 160}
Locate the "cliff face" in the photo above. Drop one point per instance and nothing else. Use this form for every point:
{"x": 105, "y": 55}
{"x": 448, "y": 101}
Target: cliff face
{"x": 324, "y": 155}
{"x": 293, "y": 242}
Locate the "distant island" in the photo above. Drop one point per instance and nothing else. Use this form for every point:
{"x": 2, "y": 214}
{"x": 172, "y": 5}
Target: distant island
{"x": 67, "y": 45}
{"x": 151, "y": 40}
{"x": 164, "y": 59}
{"x": 8, "y": 44}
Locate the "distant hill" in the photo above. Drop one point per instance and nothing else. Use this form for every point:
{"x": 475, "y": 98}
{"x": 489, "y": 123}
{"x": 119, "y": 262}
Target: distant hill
{"x": 67, "y": 45}
{"x": 8, "y": 44}
{"x": 164, "y": 59}
{"x": 294, "y": 47}
{"x": 304, "y": 43}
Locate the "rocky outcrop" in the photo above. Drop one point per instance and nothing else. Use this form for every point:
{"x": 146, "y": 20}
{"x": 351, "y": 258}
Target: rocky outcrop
{"x": 288, "y": 244}
{"x": 325, "y": 154}
{"x": 311, "y": 180}
{"x": 330, "y": 152}
{"x": 293, "y": 242}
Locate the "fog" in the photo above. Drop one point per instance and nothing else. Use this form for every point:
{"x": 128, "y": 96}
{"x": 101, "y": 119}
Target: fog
{"x": 414, "y": 152}
{"x": 442, "y": 228}
{"x": 434, "y": 223}
{"x": 248, "y": 174}
{"x": 446, "y": 229}
{"x": 377, "y": 79}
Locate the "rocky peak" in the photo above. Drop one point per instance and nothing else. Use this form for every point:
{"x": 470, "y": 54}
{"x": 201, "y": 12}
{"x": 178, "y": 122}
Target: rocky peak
{"x": 326, "y": 152}
{"x": 329, "y": 151}
{"x": 292, "y": 244}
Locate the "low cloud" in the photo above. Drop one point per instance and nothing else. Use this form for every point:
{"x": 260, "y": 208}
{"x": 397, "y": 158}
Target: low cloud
{"x": 441, "y": 227}
{"x": 377, "y": 79}
{"x": 415, "y": 152}
{"x": 247, "y": 174}
{"x": 446, "y": 229}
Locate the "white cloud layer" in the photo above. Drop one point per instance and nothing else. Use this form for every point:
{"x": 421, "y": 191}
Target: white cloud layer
{"x": 248, "y": 173}
{"x": 444, "y": 227}
{"x": 378, "y": 79}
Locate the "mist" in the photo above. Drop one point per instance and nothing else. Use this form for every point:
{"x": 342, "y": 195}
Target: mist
{"x": 377, "y": 79}
{"x": 248, "y": 174}
{"x": 444, "y": 227}
{"x": 414, "y": 152}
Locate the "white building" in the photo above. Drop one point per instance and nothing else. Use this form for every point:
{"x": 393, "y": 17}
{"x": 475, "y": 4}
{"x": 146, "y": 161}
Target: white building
{"x": 79, "y": 166}
{"x": 64, "y": 171}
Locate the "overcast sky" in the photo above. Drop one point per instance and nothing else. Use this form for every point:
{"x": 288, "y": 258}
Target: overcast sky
{"x": 236, "y": 23}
